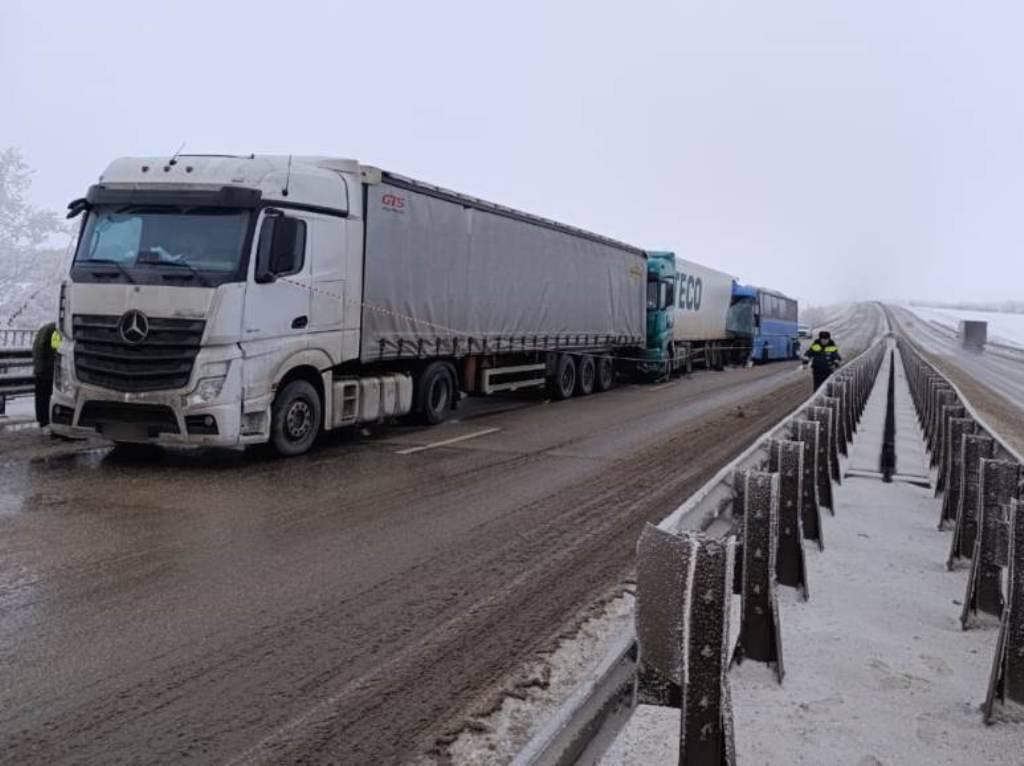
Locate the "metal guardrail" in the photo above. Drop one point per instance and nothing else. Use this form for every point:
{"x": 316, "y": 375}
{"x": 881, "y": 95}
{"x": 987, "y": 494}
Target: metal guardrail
{"x": 633, "y": 671}
{"x": 16, "y": 338}
{"x": 981, "y": 478}
{"x": 16, "y": 377}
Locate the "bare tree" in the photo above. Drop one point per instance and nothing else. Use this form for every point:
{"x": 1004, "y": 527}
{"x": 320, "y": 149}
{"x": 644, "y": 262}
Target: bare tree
{"x": 22, "y": 226}
{"x": 28, "y": 269}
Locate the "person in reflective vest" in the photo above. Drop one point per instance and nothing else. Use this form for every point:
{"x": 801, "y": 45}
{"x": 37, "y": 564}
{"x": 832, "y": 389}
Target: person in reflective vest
{"x": 44, "y": 350}
{"x": 823, "y": 356}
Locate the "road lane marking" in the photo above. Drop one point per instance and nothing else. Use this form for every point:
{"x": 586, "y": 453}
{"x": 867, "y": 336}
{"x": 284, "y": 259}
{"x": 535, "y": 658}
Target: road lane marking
{"x": 446, "y": 442}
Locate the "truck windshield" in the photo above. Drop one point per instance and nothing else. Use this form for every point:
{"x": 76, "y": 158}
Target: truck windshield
{"x": 156, "y": 244}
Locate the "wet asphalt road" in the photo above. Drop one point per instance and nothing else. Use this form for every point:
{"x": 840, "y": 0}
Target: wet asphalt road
{"x": 343, "y": 607}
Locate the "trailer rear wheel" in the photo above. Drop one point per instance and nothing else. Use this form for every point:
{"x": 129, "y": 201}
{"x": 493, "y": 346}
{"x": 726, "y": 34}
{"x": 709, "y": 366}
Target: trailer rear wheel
{"x": 563, "y": 383}
{"x": 586, "y": 373}
{"x": 435, "y": 393}
{"x": 605, "y": 378}
{"x": 295, "y": 418}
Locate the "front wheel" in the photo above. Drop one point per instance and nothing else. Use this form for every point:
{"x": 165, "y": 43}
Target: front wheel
{"x": 295, "y": 418}
{"x": 436, "y": 393}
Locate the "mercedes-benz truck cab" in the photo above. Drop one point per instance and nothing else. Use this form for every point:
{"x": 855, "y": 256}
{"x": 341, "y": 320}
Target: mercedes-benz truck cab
{"x": 202, "y": 290}
{"x": 224, "y": 301}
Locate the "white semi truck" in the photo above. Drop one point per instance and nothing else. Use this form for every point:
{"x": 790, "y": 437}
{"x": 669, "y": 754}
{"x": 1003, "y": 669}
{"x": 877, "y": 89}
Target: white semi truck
{"x": 224, "y": 301}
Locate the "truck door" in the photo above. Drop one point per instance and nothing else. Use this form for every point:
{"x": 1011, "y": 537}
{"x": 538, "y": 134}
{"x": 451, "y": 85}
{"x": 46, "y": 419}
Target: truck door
{"x": 277, "y": 298}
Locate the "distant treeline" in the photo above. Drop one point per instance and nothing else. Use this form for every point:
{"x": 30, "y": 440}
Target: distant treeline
{"x": 1002, "y": 307}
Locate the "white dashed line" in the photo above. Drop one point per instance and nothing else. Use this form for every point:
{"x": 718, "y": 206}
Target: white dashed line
{"x": 446, "y": 442}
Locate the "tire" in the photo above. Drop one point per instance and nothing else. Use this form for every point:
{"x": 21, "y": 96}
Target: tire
{"x": 586, "y": 375}
{"x": 562, "y": 385}
{"x": 295, "y": 419}
{"x": 435, "y": 393}
{"x": 605, "y": 377}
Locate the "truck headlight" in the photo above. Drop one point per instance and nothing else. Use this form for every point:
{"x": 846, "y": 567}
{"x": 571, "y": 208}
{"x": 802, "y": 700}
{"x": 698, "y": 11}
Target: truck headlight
{"x": 61, "y": 379}
{"x": 208, "y": 389}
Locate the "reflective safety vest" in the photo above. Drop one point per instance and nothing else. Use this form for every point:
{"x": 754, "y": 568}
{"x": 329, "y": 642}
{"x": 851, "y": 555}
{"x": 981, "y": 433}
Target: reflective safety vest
{"x": 823, "y": 356}
{"x": 55, "y": 340}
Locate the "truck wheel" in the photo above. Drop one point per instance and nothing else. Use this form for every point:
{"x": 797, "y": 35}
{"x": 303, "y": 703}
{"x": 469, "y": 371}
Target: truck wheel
{"x": 435, "y": 393}
{"x": 585, "y": 374}
{"x": 563, "y": 383}
{"x": 295, "y": 418}
{"x": 605, "y": 378}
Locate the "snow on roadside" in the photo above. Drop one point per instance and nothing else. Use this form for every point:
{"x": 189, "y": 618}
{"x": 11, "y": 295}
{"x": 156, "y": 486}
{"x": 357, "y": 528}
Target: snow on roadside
{"x": 1002, "y": 328}
{"x": 497, "y": 737}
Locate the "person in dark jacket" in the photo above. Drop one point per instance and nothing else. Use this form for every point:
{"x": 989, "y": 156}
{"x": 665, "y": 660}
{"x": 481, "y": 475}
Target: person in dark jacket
{"x": 44, "y": 349}
{"x": 823, "y": 356}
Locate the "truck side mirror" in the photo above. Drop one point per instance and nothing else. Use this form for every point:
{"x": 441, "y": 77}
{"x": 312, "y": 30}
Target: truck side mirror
{"x": 282, "y": 247}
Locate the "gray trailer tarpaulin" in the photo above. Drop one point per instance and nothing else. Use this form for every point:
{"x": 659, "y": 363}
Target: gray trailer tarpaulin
{"x": 450, "y": 275}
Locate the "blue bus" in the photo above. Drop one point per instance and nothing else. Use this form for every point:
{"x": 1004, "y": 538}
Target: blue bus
{"x": 767, "y": 319}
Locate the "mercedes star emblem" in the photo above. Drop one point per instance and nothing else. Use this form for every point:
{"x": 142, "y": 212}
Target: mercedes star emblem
{"x": 134, "y": 327}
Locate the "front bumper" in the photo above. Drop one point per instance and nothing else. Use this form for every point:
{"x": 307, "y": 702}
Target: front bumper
{"x": 152, "y": 417}
{"x": 90, "y": 411}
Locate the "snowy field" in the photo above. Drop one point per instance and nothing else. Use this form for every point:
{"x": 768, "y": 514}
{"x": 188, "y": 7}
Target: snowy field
{"x": 1002, "y": 328}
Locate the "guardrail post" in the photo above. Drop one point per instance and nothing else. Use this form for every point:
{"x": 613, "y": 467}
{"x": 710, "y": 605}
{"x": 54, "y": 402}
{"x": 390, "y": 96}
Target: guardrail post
{"x": 1006, "y": 680}
{"x": 975, "y": 447}
{"x": 998, "y": 485}
{"x": 682, "y": 624}
{"x": 958, "y": 429}
{"x": 739, "y": 495}
{"x": 822, "y": 416}
{"x": 836, "y": 390}
{"x": 935, "y": 385}
{"x": 938, "y": 457}
{"x": 786, "y": 459}
{"x": 827, "y": 415}
{"x": 760, "y": 635}
{"x": 807, "y": 432}
{"x": 946, "y": 398}
{"x": 833, "y": 404}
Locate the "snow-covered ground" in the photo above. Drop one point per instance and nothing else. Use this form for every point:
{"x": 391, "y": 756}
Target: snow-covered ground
{"x": 1002, "y": 328}
{"x": 878, "y": 670}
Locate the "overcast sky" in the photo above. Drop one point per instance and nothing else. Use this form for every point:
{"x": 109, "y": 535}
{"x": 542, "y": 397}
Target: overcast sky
{"x": 831, "y": 149}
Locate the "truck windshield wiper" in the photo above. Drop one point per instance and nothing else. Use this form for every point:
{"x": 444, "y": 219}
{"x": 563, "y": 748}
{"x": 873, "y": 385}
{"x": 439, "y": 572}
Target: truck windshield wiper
{"x": 193, "y": 272}
{"x": 145, "y": 256}
{"x": 120, "y": 267}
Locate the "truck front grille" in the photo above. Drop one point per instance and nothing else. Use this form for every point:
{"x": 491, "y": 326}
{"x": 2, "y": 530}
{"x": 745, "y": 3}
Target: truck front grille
{"x": 155, "y": 418}
{"x": 162, "y": 361}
